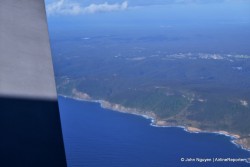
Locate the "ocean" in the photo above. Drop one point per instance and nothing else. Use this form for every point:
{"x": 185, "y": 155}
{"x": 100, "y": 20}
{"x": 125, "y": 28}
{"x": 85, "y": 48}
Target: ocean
{"x": 98, "y": 137}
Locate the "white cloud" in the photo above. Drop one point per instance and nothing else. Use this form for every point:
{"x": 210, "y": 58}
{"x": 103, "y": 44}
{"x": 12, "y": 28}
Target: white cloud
{"x": 69, "y": 8}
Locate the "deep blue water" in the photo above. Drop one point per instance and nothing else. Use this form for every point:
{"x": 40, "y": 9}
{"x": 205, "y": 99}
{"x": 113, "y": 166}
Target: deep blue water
{"x": 97, "y": 137}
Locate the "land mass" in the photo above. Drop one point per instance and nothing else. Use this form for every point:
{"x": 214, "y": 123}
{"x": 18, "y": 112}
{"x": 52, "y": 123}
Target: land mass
{"x": 243, "y": 141}
{"x": 206, "y": 90}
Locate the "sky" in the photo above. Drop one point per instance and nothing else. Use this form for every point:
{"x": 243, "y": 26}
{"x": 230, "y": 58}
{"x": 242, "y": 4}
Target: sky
{"x": 192, "y": 11}
{"x": 225, "y": 19}
{"x": 81, "y": 7}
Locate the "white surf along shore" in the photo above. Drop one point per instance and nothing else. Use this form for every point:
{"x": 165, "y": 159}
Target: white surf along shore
{"x": 235, "y": 138}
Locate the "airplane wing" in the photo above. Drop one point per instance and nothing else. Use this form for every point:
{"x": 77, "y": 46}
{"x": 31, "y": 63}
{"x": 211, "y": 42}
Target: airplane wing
{"x": 30, "y": 127}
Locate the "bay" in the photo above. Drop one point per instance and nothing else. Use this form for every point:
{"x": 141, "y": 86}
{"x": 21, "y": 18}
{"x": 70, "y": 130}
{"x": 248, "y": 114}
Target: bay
{"x": 98, "y": 137}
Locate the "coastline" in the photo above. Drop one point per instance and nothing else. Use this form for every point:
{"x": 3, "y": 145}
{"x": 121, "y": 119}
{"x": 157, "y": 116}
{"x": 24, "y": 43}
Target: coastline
{"x": 235, "y": 138}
